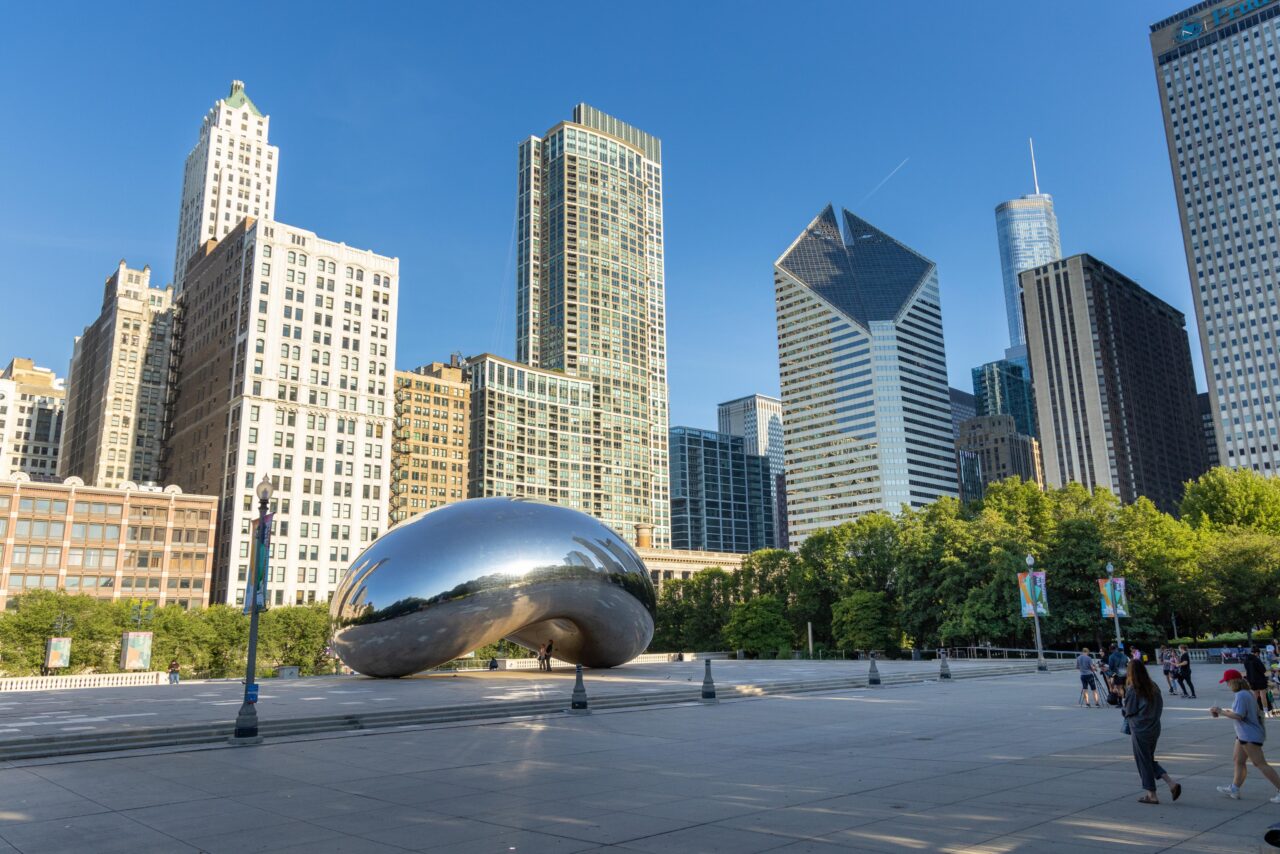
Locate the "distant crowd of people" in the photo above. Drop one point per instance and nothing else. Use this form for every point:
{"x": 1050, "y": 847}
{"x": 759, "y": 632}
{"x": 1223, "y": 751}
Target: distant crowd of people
{"x": 1124, "y": 678}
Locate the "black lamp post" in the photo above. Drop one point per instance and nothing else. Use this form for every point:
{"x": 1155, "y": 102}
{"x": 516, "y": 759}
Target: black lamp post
{"x": 246, "y": 731}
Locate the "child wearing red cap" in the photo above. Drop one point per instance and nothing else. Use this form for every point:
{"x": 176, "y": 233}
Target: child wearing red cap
{"x": 1250, "y": 735}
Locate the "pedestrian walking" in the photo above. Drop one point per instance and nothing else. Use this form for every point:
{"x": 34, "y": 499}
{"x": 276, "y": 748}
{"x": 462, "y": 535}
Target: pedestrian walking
{"x": 1250, "y": 734}
{"x": 1117, "y": 665}
{"x": 1166, "y": 666}
{"x": 1184, "y": 671}
{"x": 550, "y": 649}
{"x": 1142, "y": 707}
{"x": 1255, "y": 673}
{"x": 175, "y": 672}
{"x": 542, "y": 657}
{"x": 1088, "y": 681}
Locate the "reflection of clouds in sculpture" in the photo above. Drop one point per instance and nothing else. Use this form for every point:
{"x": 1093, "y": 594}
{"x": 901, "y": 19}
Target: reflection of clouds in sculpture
{"x": 471, "y": 573}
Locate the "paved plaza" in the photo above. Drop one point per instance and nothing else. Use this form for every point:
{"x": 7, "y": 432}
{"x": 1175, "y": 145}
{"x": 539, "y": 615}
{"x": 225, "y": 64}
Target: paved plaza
{"x": 88, "y": 711}
{"x": 1003, "y": 764}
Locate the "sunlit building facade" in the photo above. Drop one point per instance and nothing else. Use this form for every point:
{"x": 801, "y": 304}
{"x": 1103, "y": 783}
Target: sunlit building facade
{"x": 866, "y": 405}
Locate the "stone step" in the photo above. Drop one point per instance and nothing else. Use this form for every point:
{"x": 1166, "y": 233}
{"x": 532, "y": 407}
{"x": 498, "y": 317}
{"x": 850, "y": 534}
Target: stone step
{"x": 217, "y": 731}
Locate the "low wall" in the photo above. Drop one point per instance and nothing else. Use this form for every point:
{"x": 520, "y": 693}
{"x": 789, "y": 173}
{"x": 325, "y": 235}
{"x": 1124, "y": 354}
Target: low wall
{"x": 84, "y": 680}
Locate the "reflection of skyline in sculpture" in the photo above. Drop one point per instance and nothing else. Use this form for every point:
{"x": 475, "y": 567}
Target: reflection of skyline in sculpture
{"x": 472, "y": 573}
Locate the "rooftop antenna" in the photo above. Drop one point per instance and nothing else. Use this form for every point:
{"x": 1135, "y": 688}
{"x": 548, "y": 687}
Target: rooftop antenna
{"x": 1034, "y": 177}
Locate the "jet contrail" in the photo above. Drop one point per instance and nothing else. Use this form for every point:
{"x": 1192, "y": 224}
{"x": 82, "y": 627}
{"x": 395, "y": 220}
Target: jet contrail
{"x": 885, "y": 180}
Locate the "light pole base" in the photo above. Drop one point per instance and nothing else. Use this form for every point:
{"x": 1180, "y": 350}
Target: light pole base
{"x": 1042, "y": 667}
{"x": 244, "y": 741}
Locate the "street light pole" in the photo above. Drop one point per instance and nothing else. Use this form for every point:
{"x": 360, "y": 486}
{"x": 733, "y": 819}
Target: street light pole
{"x": 1115, "y": 603}
{"x": 1035, "y": 615}
{"x": 246, "y": 731}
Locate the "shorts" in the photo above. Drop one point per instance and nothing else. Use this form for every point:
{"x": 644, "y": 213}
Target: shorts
{"x": 1088, "y": 682}
{"x": 1242, "y": 741}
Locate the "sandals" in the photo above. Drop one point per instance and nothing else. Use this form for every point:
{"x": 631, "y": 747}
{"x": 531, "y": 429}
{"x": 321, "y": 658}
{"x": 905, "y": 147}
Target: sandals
{"x": 1147, "y": 799}
{"x": 1176, "y": 790}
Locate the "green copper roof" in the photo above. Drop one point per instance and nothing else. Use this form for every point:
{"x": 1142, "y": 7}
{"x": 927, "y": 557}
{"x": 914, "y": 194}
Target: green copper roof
{"x": 238, "y": 98}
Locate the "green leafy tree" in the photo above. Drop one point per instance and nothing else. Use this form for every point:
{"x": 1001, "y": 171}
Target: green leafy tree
{"x": 758, "y": 626}
{"x": 1159, "y": 556}
{"x": 864, "y": 620}
{"x": 1242, "y": 571}
{"x": 228, "y": 639}
{"x": 1224, "y": 498}
{"x": 294, "y": 636}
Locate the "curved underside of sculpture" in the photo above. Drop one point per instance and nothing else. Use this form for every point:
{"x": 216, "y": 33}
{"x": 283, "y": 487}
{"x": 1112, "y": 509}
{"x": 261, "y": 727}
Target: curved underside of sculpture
{"x": 472, "y": 573}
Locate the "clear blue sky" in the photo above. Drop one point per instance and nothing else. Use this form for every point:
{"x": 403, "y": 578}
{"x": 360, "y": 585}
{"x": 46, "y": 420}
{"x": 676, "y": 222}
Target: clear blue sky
{"x": 398, "y": 125}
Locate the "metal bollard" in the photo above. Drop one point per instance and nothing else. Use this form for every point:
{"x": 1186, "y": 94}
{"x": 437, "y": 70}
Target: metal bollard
{"x": 578, "y": 704}
{"x": 708, "y": 686}
{"x": 873, "y": 675}
{"x": 944, "y": 672}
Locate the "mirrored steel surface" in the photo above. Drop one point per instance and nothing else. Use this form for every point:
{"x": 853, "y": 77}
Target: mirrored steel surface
{"x": 468, "y": 574}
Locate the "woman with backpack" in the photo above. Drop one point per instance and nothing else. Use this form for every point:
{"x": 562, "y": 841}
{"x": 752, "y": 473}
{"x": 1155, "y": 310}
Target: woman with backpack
{"x": 1142, "y": 707}
{"x": 1250, "y": 735}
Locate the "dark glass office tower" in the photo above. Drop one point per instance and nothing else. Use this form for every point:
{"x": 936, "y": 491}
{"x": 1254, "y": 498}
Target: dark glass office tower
{"x": 721, "y": 496}
{"x": 1003, "y": 387}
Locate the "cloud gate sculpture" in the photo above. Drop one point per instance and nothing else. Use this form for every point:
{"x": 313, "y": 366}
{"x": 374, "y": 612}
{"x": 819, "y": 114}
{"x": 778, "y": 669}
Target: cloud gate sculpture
{"x": 468, "y": 574}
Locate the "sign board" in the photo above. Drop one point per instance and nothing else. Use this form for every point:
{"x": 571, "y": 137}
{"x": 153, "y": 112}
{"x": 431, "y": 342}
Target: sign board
{"x": 1034, "y": 595}
{"x": 251, "y": 693}
{"x": 1114, "y": 600}
{"x": 57, "y": 653}
{"x": 135, "y": 651}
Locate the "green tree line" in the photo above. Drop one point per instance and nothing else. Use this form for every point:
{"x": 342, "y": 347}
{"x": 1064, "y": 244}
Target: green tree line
{"x": 946, "y": 574}
{"x": 207, "y": 642}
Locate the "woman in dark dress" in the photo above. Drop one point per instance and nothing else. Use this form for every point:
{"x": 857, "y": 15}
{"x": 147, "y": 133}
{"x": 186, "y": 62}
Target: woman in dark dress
{"x": 1142, "y": 707}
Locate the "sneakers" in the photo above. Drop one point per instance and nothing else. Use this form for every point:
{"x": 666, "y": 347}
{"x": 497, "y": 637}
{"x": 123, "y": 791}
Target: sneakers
{"x": 1233, "y": 792}
{"x": 1275, "y": 799}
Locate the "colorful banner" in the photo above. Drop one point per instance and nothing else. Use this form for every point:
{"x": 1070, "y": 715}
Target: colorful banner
{"x": 256, "y": 589}
{"x": 135, "y": 651}
{"x": 1114, "y": 599}
{"x": 1035, "y": 597}
{"x": 57, "y": 653}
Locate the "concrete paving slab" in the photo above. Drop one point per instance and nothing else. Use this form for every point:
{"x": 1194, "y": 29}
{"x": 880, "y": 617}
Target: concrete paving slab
{"x": 988, "y": 767}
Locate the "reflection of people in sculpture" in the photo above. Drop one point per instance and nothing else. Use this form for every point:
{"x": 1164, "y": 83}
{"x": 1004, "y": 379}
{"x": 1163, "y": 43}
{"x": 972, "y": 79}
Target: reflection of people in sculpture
{"x": 550, "y": 646}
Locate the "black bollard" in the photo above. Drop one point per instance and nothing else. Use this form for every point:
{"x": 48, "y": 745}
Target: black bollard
{"x": 944, "y": 672}
{"x": 578, "y": 705}
{"x": 708, "y": 686}
{"x": 873, "y": 675}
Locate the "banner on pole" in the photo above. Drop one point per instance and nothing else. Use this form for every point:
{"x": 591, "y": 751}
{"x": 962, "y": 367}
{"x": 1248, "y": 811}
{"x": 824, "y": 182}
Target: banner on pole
{"x": 1114, "y": 600}
{"x": 135, "y": 651}
{"x": 256, "y": 588}
{"x": 57, "y": 653}
{"x": 1035, "y": 597}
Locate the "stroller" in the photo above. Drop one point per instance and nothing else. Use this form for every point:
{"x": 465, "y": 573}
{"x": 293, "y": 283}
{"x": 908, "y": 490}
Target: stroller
{"x": 1112, "y": 684}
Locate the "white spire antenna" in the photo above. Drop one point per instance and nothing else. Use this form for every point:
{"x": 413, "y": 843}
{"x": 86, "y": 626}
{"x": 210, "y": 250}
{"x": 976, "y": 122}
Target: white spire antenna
{"x": 1034, "y": 177}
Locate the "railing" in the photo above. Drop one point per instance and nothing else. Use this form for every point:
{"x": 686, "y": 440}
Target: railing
{"x": 83, "y": 680}
{"x": 995, "y": 652}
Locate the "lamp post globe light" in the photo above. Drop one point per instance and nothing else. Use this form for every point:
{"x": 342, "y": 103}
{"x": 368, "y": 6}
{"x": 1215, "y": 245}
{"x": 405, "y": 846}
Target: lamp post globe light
{"x": 1041, "y": 665}
{"x": 246, "y": 731}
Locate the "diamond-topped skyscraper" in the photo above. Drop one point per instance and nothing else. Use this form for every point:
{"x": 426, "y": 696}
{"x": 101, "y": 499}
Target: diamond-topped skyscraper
{"x": 1216, "y": 70}
{"x": 866, "y": 405}
{"x": 590, "y": 301}
{"x": 230, "y": 174}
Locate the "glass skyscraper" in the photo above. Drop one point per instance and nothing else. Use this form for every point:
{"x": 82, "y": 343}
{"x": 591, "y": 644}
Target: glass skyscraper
{"x": 1003, "y": 387}
{"x": 590, "y": 301}
{"x": 721, "y": 498}
{"x": 1217, "y": 73}
{"x": 1027, "y": 230}
{"x": 863, "y": 369}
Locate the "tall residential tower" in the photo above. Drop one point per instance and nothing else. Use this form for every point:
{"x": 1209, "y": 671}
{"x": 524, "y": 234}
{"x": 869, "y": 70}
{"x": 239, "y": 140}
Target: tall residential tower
{"x": 865, "y": 399}
{"x": 757, "y": 418}
{"x": 1115, "y": 393}
{"x": 590, "y": 301}
{"x": 230, "y": 174}
{"x": 118, "y": 385}
{"x": 1027, "y": 231}
{"x": 1217, "y": 73}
